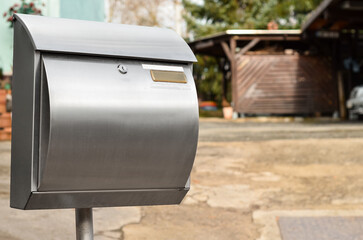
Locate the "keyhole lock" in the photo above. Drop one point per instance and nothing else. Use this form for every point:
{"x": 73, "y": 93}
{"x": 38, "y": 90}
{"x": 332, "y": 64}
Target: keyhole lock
{"x": 122, "y": 69}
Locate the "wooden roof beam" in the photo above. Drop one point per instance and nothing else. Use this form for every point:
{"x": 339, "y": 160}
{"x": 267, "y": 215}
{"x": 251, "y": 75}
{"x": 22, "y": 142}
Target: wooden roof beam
{"x": 202, "y": 45}
{"x": 250, "y": 45}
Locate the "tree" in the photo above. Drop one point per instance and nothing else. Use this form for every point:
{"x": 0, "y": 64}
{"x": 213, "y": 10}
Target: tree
{"x": 137, "y": 12}
{"x": 208, "y": 78}
{"x": 23, "y": 7}
{"x": 161, "y": 13}
{"x": 213, "y": 16}
{"x": 218, "y": 15}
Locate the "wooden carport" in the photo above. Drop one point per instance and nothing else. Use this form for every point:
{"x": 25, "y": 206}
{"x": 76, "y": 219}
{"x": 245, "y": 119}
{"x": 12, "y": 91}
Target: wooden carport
{"x": 271, "y": 72}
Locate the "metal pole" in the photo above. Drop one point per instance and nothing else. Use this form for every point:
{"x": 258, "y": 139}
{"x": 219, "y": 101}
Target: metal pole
{"x": 84, "y": 224}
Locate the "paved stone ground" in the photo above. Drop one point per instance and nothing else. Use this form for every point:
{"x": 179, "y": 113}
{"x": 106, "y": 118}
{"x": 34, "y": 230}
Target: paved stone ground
{"x": 245, "y": 177}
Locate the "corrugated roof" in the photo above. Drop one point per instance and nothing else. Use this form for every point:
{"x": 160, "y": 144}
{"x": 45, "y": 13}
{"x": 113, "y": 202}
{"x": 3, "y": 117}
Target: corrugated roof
{"x": 314, "y": 14}
{"x": 335, "y": 15}
{"x": 263, "y": 32}
{"x": 250, "y": 32}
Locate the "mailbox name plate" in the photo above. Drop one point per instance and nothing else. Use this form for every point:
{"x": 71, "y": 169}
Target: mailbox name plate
{"x": 168, "y": 76}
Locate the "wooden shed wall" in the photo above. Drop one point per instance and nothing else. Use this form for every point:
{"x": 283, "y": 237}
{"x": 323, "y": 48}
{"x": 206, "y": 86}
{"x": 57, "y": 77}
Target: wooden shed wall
{"x": 283, "y": 84}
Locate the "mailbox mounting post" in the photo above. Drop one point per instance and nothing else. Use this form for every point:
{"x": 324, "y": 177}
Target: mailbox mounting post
{"x": 84, "y": 224}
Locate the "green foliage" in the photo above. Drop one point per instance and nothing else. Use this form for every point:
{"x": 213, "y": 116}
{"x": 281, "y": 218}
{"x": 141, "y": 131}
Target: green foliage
{"x": 208, "y": 78}
{"x": 24, "y": 7}
{"x": 213, "y": 16}
{"x": 218, "y": 15}
{"x": 296, "y": 9}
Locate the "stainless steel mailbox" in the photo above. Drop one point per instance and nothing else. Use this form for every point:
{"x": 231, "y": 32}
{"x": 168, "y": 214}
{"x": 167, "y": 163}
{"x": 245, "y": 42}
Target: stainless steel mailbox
{"x": 103, "y": 115}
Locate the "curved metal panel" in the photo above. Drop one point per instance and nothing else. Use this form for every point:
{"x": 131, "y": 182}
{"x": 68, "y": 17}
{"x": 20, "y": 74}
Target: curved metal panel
{"x": 115, "y": 131}
{"x": 97, "y": 38}
{"x": 91, "y": 199}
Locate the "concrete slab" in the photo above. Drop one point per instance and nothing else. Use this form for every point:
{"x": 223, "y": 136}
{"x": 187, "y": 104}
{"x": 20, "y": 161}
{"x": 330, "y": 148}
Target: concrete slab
{"x": 268, "y": 220}
{"x": 322, "y": 228}
{"x": 228, "y": 196}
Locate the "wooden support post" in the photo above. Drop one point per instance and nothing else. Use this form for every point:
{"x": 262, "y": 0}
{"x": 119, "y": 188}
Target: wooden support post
{"x": 222, "y": 66}
{"x": 233, "y": 45}
{"x": 230, "y": 52}
{"x": 342, "y": 109}
{"x": 226, "y": 50}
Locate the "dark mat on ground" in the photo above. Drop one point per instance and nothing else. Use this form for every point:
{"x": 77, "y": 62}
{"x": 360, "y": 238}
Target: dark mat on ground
{"x": 321, "y": 228}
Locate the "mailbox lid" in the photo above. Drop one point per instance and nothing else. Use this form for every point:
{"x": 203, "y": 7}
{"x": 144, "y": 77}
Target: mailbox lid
{"x": 104, "y": 130}
{"x": 108, "y": 39}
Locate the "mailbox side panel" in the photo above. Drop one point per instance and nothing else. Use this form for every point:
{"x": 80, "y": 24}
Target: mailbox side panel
{"x": 22, "y": 146}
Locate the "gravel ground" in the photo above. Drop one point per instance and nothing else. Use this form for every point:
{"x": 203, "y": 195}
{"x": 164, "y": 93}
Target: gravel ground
{"x": 245, "y": 176}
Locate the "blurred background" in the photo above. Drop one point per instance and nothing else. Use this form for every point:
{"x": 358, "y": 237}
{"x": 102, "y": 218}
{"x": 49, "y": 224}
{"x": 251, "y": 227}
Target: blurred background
{"x": 313, "y": 48}
{"x": 280, "y": 88}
